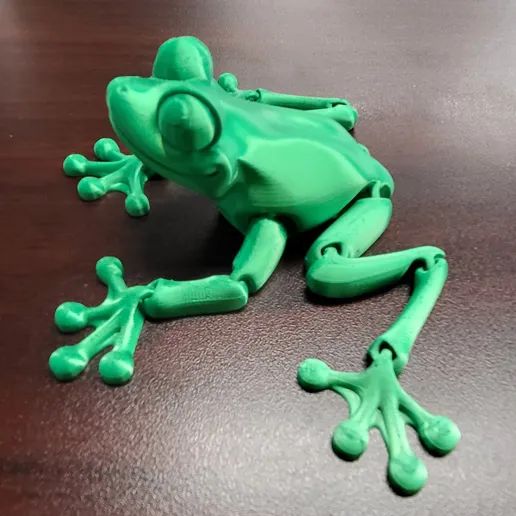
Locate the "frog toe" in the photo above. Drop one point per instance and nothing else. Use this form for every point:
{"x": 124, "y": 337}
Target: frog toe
{"x": 91, "y": 188}
{"x": 116, "y": 367}
{"x": 137, "y": 205}
{"x": 313, "y": 375}
{"x": 350, "y": 439}
{"x": 68, "y": 362}
{"x": 70, "y": 317}
{"x": 440, "y": 435}
{"x": 407, "y": 473}
{"x": 75, "y": 165}
{"x": 107, "y": 149}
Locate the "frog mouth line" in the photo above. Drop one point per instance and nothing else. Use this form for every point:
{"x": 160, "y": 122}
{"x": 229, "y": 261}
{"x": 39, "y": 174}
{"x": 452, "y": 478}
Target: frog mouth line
{"x": 155, "y": 164}
{"x": 168, "y": 173}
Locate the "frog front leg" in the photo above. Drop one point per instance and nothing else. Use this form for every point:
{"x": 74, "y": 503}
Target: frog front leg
{"x": 337, "y": 109}
{"x": 118, "y": 320}
{"x": 336, "y": 269}
{"x": 115, "y": 172}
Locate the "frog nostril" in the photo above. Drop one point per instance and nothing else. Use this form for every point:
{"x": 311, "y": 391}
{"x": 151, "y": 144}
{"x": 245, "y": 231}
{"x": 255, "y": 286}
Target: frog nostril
{"x": 117, "y": 88}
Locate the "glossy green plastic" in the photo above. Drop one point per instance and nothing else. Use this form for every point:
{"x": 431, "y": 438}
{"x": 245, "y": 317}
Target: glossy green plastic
{"x": 274, "y": 164}
{"x": 376, "y": 400}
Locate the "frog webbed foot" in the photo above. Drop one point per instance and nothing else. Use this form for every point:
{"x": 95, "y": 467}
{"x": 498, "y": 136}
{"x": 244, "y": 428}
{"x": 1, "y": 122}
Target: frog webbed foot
{"x": 114, "y": 172}
{"x": 376, "y": 400}
{"x": 116, "y": 322}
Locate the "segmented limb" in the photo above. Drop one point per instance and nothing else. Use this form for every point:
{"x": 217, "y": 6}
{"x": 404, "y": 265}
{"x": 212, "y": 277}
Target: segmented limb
{"x": 337, "y": 109}
{"x": 118, "y": 320}
{"x": 376, "y": 399}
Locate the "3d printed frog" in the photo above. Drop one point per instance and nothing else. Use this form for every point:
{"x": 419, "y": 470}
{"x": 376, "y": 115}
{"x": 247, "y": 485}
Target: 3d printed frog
{"x": 274, "y": 164}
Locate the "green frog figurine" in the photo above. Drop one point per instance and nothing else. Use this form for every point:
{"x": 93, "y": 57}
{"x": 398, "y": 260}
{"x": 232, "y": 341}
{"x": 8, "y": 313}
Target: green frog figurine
{"x": 274, "y": 164}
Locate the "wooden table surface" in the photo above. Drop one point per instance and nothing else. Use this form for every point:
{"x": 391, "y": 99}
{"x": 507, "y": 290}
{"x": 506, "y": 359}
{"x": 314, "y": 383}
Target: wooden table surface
{"x": 214, "y": 422}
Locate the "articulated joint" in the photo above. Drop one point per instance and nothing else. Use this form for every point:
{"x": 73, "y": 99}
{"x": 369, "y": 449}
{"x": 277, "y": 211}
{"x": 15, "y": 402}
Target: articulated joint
{"x": 259, "y": 254}
{"x": 429, "y": 279}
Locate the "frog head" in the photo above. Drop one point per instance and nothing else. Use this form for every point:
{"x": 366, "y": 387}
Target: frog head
{"x": 168, "y": 121}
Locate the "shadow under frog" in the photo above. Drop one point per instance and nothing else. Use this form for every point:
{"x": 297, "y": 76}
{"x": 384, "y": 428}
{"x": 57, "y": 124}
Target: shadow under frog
{"x": 275, "y": 165}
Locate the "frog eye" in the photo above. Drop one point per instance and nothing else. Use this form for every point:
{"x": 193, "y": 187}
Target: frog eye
{"x": 186, "y": 123}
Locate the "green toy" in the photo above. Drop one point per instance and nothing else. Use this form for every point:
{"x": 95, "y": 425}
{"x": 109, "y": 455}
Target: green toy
{"x": 274, "y": 164}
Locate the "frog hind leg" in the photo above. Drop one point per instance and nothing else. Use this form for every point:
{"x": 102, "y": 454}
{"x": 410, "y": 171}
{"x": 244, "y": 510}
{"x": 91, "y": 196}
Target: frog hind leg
{"x": 336, "y": 269}
{"x": 114, "y": 172}
{"x": 344, "y": 114}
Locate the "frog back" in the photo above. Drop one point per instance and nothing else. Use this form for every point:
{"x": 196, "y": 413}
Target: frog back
{"x": 290, "y": 164}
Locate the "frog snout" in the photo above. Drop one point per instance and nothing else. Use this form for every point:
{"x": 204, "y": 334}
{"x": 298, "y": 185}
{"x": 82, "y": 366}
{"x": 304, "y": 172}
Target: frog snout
{"x": 137, "y": 92}
{"x": 117, "y": 86}
{"x": 125, "y": 90}
{"x": 118, "y": 95}
{"x": 121, "y": 85}
{"x": 132, "y": 103}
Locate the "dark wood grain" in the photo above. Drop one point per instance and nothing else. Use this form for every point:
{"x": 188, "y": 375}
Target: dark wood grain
{"x": 213, "y": 422}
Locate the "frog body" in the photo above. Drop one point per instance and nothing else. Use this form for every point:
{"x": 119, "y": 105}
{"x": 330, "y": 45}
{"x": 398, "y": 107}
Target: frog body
{"x": 274, "y": 164}
{"x": 274, "y": 161}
